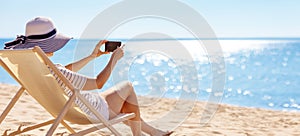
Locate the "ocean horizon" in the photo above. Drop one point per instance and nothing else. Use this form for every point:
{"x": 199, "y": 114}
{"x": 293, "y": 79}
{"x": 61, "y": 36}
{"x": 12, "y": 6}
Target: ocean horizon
{"x": 259, "y": 72}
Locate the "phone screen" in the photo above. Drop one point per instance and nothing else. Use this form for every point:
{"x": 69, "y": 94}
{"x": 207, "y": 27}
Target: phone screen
{"x": 112, "y": 45}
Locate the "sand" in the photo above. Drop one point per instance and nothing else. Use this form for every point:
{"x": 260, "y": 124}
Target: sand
{"x": 228, "y": 120}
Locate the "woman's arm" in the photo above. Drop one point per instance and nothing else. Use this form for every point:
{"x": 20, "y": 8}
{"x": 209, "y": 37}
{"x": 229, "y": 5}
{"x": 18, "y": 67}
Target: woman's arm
{"x": 103, "y": 76}
{"x": 76, "y": 66}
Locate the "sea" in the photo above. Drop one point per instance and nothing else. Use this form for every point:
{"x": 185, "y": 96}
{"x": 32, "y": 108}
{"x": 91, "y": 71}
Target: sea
{"x": 258, "y": 72}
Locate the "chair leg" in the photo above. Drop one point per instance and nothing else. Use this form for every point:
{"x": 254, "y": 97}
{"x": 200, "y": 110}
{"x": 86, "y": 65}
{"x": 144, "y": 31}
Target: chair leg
{"x": 11, "y": 104}
{"x": 61, "y": 115}
{"x": 68, "y": 127}
{"x": 19, "y": 131}
{"x": 118, "y": 119}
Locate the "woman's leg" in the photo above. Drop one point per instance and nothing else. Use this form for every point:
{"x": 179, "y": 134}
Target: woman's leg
{"x": 122, "y": 99}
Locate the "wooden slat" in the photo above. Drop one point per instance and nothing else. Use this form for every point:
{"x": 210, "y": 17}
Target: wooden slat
{"x": 11, "y": 104}
{"x": 120, "y": 118}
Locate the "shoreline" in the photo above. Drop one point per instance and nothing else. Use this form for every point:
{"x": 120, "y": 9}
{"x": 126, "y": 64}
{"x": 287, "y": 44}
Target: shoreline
{"x": 227, "y": 120}
{"x": 225, "y": 104}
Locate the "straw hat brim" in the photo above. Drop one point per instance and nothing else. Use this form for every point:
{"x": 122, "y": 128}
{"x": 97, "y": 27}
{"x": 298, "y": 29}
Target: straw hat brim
{"x": 48, "y": 45}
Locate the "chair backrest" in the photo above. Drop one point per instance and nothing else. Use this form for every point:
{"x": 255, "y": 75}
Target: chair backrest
{"x": 30, "y": 68}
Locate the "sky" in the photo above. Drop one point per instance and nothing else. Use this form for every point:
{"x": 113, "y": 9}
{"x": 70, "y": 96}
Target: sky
{"x": 227, "y": 18}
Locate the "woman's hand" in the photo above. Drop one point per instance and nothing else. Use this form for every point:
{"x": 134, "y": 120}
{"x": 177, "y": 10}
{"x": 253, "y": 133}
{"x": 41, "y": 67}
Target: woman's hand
{"x": 118, "y": 53}
{"x": 97, "y": 52}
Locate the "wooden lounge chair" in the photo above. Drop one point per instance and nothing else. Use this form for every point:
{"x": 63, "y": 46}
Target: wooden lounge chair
{"x": 30, "y": 68}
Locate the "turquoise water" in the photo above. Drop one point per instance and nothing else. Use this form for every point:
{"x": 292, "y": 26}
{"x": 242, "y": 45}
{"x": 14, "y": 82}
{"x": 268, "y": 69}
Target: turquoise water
{"x": 260, "y": 73}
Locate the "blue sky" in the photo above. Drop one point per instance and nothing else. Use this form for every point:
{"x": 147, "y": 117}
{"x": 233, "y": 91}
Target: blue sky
{"x": 228, "y": 18}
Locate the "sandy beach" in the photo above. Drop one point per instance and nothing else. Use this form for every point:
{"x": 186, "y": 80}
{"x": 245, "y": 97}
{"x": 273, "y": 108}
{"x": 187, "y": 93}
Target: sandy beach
{"x": 228, "y": 120}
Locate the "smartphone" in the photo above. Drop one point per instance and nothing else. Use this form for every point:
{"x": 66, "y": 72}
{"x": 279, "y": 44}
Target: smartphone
{"x": 110, "y": 46}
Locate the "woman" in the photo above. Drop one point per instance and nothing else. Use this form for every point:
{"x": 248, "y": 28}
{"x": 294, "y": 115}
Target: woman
{"x": 119, "y": 99}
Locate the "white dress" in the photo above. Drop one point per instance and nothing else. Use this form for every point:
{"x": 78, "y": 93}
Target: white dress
{"x": 78, "y": 81}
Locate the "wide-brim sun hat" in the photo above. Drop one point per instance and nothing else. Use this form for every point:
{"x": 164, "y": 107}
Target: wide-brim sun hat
{"x": 41, "y": 32}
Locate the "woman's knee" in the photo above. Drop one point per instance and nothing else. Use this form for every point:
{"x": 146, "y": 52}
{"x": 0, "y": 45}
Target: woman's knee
{"x": 128, "y": 85}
